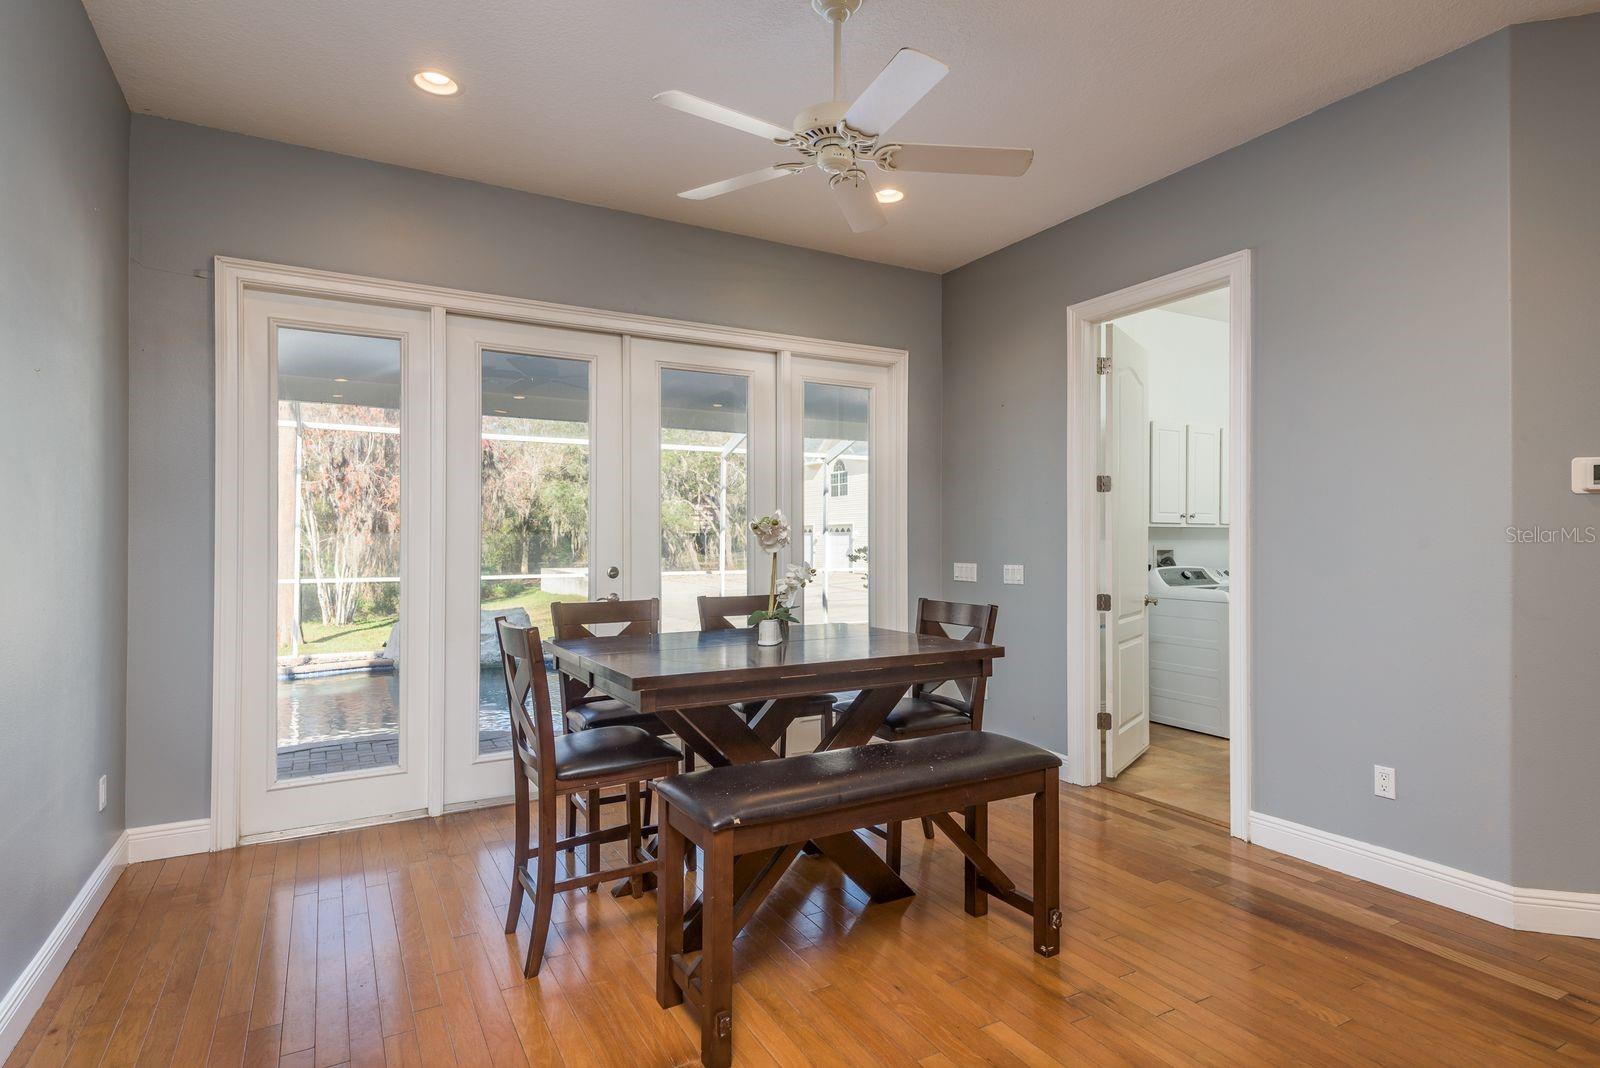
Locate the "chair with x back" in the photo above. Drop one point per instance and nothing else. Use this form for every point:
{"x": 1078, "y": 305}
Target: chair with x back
{"x": 563, "y": 765}
{"x": 733, "y": 613}
{"x": 585, "y": 709}
{"x": 926, "y": 711}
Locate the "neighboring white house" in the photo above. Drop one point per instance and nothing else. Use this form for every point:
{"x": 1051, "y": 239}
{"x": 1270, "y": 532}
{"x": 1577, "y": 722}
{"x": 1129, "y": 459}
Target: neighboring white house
{"x": 836, "y": 502}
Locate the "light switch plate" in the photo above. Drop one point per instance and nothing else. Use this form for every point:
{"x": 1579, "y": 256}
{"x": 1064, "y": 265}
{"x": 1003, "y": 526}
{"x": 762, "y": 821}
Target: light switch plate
{"x": 1011, "y": 574}
{"x": 966, "y": 573}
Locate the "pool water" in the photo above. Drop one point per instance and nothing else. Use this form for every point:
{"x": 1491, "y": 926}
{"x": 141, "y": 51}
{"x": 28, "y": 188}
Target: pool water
{"x": 358, "y": 704}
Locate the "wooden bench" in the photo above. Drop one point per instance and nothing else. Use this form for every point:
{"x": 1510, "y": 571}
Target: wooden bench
{"x": 777, "y": 806}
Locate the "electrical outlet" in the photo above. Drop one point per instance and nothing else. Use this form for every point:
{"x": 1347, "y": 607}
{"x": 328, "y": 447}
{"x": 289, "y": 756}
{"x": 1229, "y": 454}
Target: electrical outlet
{"x": 1383, "y": 781}
{"x": 1011, "y": 574}
{"x": 966, "y": 573}
{"x": 102, "y": 793}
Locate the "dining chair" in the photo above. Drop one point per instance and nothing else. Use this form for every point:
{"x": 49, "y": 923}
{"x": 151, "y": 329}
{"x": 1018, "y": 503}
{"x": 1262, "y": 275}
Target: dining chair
{"x": 563, "y": 765}
{"x": 586, "y": 709}
{"x": 733, "y": 613}
{"x": 925, "y": 711}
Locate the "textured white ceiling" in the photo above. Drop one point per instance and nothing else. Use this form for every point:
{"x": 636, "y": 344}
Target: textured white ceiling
{"x": 1113, "y": 94}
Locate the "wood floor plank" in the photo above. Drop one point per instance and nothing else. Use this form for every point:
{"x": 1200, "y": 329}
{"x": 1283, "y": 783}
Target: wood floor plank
{"x": 1180, "y": 946}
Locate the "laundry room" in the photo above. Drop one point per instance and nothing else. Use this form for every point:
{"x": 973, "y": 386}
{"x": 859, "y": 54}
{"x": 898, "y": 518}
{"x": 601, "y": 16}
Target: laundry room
{"x": 1177, "y": 522}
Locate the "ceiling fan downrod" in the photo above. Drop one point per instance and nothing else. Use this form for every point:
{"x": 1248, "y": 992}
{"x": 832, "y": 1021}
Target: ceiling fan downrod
{"x": 837, "y": 12}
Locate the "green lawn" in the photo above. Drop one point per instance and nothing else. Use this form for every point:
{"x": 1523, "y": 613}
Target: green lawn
{"x": 368, "y": 635}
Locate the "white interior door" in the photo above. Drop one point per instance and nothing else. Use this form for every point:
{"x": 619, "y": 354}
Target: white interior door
{"x": 701, "y": 467}
{"x": 840, "y": 463}
{"x": 338, "y": 601}
{"x": 534, "y": 513}
{"x": 1128, "y": 688}
{"x": 1205, "y": 475}
{"x": 1168, "y": 471}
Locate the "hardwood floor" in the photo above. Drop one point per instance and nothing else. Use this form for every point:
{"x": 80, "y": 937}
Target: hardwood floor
{"x": 1185, "y": 769}
{"x": 1180, "y": 946}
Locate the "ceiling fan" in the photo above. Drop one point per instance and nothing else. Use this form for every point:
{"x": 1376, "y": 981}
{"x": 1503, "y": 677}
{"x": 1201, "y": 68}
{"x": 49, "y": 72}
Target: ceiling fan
{"x": 840, "y": 138}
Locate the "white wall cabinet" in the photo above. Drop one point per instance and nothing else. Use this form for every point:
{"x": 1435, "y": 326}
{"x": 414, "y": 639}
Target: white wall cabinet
{"x": 1187, "y": 475}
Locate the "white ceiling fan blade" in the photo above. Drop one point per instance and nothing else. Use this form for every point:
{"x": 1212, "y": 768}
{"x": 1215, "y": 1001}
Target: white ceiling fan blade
{"x": 705, "y": 109}
{"x": 859, "y": 204}
{"x": 961, "y": 159}
{"x": 895, "y": 91}
{"x": 728, "y": 185}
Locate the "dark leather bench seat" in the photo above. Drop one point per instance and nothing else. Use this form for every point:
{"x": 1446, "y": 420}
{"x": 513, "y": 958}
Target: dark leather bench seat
{"x": 751, "y": 794}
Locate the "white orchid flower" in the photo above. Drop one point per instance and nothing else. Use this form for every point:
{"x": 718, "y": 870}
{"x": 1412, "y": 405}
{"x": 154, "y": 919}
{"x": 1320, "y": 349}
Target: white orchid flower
{"x": 771, "y": 531}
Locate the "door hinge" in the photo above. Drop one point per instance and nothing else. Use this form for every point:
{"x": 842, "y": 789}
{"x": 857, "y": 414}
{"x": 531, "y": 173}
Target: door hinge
{"x": 1102, "y": 483}
{"x": 1102, "y": 602}
{"x": 1102, "y": 365}
{"x": 1102, "y": 721}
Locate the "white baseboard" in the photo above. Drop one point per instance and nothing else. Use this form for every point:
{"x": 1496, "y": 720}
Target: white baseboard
{"x": 162, "y": 840}
{"x": 1560, "y": 912}
{"x": 29, "y": 991}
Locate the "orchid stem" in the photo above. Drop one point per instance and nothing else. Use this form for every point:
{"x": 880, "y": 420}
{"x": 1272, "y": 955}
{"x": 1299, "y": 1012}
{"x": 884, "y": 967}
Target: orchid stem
{"x": 772, "y": 587}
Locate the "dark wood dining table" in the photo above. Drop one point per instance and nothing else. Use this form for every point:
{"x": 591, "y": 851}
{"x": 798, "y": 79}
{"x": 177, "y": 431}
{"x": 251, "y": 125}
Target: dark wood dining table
{"x": 692, "y": 680}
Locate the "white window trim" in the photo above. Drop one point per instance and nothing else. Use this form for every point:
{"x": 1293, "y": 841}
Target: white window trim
{"x": 232, "y": 276}
{"x": 1084, "y": 550}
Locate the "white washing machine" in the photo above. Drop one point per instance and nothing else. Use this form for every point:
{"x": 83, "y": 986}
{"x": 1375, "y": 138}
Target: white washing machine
{"x": 1188, "y": 636}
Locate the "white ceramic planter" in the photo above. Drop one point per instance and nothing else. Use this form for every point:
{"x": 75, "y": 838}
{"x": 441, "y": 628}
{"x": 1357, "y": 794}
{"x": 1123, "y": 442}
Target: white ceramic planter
{"x": 769, "y": 632}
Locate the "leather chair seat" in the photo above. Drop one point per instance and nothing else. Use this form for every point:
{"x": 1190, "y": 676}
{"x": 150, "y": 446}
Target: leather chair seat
{"x": 922, "y": 715}
{"x": 609, "y": 713}
{"x": 773, "y": 790}
{"x": 606, "y": 751}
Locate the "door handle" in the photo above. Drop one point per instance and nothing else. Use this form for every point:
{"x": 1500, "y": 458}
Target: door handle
{"x": 611, "y": 597}
{"x": 612, "y": 572}
{"x": 1149, "y": 600}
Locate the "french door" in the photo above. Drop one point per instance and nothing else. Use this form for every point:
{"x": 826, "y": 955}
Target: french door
{"x": 337, "y": 591}
{"x": 702, "y": 468}
{"x": 406, "y": 475}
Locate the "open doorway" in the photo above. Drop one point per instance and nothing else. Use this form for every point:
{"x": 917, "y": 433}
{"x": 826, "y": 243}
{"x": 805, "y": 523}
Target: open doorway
{"x": 1158, "y": 542}
{"x": 1165, "y": 641}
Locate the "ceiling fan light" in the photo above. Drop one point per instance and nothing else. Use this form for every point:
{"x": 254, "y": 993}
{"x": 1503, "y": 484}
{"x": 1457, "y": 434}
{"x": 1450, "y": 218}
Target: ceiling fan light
{"x": 890, "y": 196}
{"x": 436, "y": 82}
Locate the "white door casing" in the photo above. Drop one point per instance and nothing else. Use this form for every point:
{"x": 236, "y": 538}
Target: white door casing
{"x": 1128, "y": 463}
{"x": 1085, "y": 544}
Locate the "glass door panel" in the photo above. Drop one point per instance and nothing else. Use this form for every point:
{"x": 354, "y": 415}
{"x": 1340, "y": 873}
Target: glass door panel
{"x": 841, "y": 490}
{"x": 702, "y": 426}
{"x": 543, "y": 457}
{"x": 837, "y": 489}
{"x": 329, "y": 732}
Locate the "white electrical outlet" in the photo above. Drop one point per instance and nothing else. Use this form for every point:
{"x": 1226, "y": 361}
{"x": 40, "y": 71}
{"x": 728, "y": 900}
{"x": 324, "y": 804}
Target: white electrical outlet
{"x": 966, "y": 573}
{"x": 1011, "y": 574}
{"x": 102, "y": 793}
{"x": 1383, "y": 781}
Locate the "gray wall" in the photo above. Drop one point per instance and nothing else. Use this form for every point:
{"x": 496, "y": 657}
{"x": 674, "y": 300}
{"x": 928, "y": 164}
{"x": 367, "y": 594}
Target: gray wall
{"x": 1382, "y": 473}
{"x": 63, "y": 476}
{"x": 1555, "y": 275}
{"x": 198, "y": 192}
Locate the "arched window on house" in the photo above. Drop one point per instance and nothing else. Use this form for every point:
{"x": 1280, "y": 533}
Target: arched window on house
{"x": 838, "y": 480}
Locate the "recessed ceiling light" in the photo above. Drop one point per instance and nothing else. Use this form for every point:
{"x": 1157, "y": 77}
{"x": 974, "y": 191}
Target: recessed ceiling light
{"x": 715, "y": 404}
{"x": 436, "y": 82}
{"x": 890, "y": 196}
{"x": 341, "y": 380}
{"x": 519, "y": 396}
{"x": 338, "y": 396}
